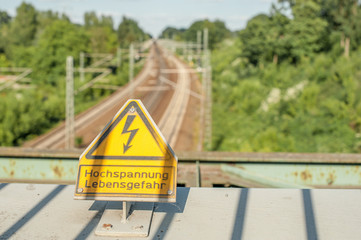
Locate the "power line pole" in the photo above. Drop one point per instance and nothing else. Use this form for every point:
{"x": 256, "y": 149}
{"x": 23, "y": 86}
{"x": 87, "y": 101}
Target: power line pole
{"x": 189, "y": 51}
{"x": 199, "y": 39}
{"x": 201, "y": 109}
{"x": 203, "y": 105}
{"x": 119, "y": 57}
{"x": 131, "y": 68}
{"x": 207, "y": 88}
{"x": 69, "y": 118}
{"x": 81, "y": 63}
{"x": 205, "y": 39}
{"x": 184, "y": 50}
{"x": 209, "y": 108}
{"x": 173, "y": 45}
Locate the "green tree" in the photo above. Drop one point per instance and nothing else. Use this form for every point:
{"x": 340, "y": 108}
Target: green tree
{"x": 91, "y": 19}
{"x": 307, "y": 31}
{"x": 173, "y": 33}
{"x": 343, "y": 18}
{"x": 217, "y": 31}
{"x": 256, "y": 46}
{"x": 102, "y": 39}
{"x": 27, "y": 114}
{"x": 102, "y": 36}
{"x": 20, "y": 36}
{"x": 4, "y": 18}
{"x": 277, "y": 32}
{"x": 24, "y": 25}
{"x": 46, "y": 18}
{"x": 129, "y": 31}
{"x": 4, "y": 29}
{"x": 107, "y": 21}
{"x": 59, "y": 40}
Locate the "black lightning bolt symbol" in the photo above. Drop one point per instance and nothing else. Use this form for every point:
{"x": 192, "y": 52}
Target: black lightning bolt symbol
{"x": 128, "y": 122}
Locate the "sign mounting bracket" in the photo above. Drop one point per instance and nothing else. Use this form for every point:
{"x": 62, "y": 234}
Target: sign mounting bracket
{"x": 126, "y": 220}
{"x": 131, "y": 165}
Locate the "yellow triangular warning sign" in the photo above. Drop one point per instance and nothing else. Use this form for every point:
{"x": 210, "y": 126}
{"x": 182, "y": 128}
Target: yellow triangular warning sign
{"x": 131, "y": 135}
{"x": 128, "y": 160}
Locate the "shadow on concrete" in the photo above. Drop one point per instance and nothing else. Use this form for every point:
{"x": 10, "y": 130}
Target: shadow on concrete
{"x": 2, "y": 185}
{"x": 309, "y": 215}
{"x": 93, "y": 223}
{"x": 27, "y": 217}
{"x": 238, "y": 226}
{"x": 170, "y": 209}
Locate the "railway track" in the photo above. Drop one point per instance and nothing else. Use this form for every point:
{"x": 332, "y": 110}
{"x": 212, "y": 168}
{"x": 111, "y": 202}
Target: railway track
{"x": 167, "y": 103}
{"x": 171, "y": 121}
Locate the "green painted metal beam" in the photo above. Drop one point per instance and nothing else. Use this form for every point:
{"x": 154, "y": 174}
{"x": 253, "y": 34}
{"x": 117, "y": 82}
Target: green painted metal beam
{"x": 38, "y": 170}
{"x": 275, "y": 169}
{"x": 312, "y": 175}
{"x": 266, "y": 181}
{"x": 216, "y": 157}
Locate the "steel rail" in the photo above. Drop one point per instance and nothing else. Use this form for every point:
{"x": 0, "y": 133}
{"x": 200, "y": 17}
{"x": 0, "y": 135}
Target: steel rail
{"x": 176, "y": 107}
{"x": 171, "y": 121}
{"x": 153, "y": 99}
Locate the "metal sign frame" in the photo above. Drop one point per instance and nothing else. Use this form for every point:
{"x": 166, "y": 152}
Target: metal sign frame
{"x": 91, "y": 158}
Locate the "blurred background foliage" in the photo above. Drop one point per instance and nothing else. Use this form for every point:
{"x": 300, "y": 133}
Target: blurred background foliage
{"x": 41, "y": 40}
{"x": 291, "y": 80}
{"x": 288, "y": 82}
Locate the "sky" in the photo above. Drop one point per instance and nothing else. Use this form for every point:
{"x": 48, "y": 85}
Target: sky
{"x": 153, "y": 16}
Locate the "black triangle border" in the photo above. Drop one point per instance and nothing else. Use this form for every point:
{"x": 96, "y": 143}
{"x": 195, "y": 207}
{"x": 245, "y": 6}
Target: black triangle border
{"x": 113, "y": 125}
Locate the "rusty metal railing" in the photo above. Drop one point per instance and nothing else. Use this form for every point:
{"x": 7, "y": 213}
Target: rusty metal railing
{"x": 206, "y": 169}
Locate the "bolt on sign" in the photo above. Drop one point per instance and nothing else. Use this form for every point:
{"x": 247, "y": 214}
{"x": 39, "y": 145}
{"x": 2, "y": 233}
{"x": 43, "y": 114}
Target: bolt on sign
{"x": 128, "y": 161}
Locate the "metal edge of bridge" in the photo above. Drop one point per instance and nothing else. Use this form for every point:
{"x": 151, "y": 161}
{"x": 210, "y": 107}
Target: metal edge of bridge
{"x": 231, "y": 157}
{"x": 284, "y": 170}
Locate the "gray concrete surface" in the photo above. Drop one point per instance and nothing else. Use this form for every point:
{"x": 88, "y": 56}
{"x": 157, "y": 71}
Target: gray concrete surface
{"x": 35, "y": 211}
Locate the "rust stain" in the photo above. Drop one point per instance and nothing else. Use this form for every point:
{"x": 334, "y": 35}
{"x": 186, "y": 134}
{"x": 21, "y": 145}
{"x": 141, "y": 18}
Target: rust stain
{"x": 5, "y": 170}
{"x": 306, "y": 175}
{"x": 107, "y": 226}
{"x": 43, "y": 174}
{"x": 322, "y": 174}
{"x": 12, "y": 173}
{"x": 58, "y": 171}
{"x": 331, "y": 179}
{"x": 295, "y": 174}
{"x": 12, "y": 163}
